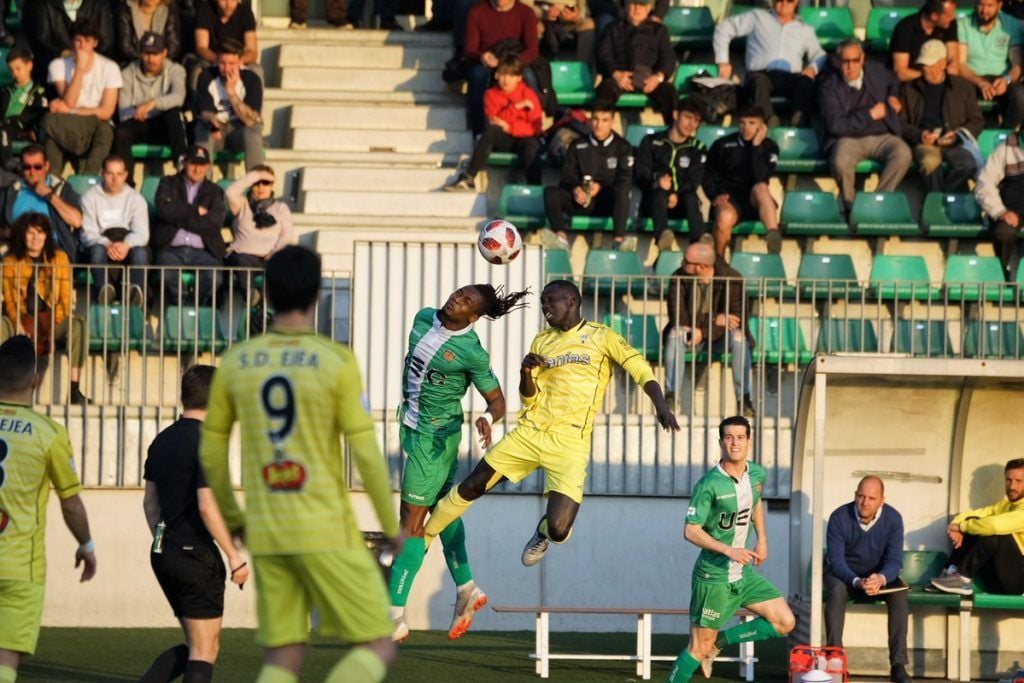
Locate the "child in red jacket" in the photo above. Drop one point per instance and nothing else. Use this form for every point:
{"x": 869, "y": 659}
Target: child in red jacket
{"x": 514, "y": 116}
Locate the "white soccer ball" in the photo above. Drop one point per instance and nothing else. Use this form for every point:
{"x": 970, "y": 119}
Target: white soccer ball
{"x": 499, "y": 242}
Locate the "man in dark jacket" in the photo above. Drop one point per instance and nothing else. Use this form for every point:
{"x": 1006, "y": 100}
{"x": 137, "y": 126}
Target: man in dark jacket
{"x": 736, "y": 180}
{"x": 936, "y": 108}
{"x": 635, "y": 56}
{"x": 23, "y": 103}
{"x": 707, "y": 308}
{"x": 48, "y": 28}
{"x": 861, "y": 107}
{"x": 190, "y": 213}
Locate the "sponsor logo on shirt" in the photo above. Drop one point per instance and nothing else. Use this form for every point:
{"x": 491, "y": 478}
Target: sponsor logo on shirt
{"x": 565, "y": 358}
{"x": 449, "y": 356}
{"x": 691, "y": 511}
{"x": 284, "y": 476}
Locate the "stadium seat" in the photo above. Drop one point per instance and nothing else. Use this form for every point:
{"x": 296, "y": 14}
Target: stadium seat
{"x": 990, "y": 138}
{"x": 982, "y": 599}
{"x": 993, "y": 339}
{"x": 828, "y": 276}
{"x": 613, "y": 272}
{"x": 641, "y": 331}
{"x": 779, "y": 340}
{"x": 686, "y": 72}
{"x": 110, "y": 332}
{"x": 799, "y": 150}
{"x": 882, "y": 213}
{"x": 840, "y": 335}
{"x": 948, "y": 214}
{"x": 503, "y": 159}
{"x": 573, "y": 83}
{"x": 557, "y": 265}
{"x": 922, "y": 339}
{"x": 749, "y": 228}
{"x": 812, "y": 213}
{"x": 971, "y": 278}
{"x": 145, "y": 151}
{"x": 690, "y": 27}
{"x": 668, "y": 262}
{"x": 188, "y": 329}
{"x": 764, "y": 274}
{"x": 881, "y": 22}
{"x": 5, "y": 72}
{"x": 833, "y": 25}
{"x": 708, "y": 134}
{"x": 635, "y": 132}
{"x": 592, "y": 223}
{"x": 902, "y": 278}
{"x": 82, "y": 183}
{"x": 919, "y": 568}
{"x": 148, "y": 191}
{"x": 523, "y": 206}
{"x": 632, "y": 100}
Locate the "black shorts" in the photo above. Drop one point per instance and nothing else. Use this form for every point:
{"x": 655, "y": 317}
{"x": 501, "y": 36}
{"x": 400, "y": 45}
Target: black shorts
{"x": 192, "y": 577}
{"x": 746, "y": 210}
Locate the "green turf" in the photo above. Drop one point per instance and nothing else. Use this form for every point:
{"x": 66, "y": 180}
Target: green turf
{"x": 67, "y": 654}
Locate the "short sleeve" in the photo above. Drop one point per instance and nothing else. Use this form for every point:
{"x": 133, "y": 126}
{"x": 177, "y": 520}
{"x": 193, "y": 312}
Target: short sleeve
{"x": 204, "y": 17}
{"x": 248, "y": 18}
{"x": 481, "y": 374}
{"x": 961, "y": 30}
{"x": 900, "y": 41}
{"x": 56, "y": 71}
{"x": 700, "y": 505}
{"x": 949, "y": 33}
{"x": 60, "y": 466}
{"x": 1013, "y": 31}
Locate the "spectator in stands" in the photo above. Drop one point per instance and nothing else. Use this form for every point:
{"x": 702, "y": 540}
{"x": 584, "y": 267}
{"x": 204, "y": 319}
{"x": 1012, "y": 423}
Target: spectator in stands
{"x": 115, "y": 231}
{"x": 563, "y": 22}
{"x": 861, "y": 107}
{"x": 707, "y": 308}
{"x": 49, "y": 26}
{"x": 1000, "y": 193}
{"x": 150, "y": 102}
{"x": 635, "y": 55}
{"x": 263, "y": 223}
{"x": 941, "y": 118}
{"x": 23, "y": 104}
{"x": 136, "y": 18}
{"x": 496, "y": 29}
{"x": 865, "y": 555}
{"x": 739, "y": 168}
{"x": 935, "y": 21}
{"x": 990, "y": 57}
{"x": 228, "y": 103}
{"x": 223, "y": 22}
{"x": 596, "y": 179}
{"x": 37, "y": 294}
{"x": 80, "y": 120}
{"x": 336, "y": 14}
{"x": 190, "y": 213}
{"x": 783, "y": 58}
{"x": 385, "y": 9}
{"x": 988, "y": 543}
{"x": 39, "y": 191}
{"x": 514, "y": 122}
{"x": 669, "y": 171}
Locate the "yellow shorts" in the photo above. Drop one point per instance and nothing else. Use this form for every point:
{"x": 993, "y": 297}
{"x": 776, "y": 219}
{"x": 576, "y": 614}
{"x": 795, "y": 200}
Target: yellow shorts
{"x": 21, "y": 611}
{"x": 346, "y": 587}
{"x": 563, "y": 459}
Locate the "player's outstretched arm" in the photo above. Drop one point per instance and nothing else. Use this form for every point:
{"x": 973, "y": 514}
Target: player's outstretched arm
{"x": 666, "y": 418}
{"x": 496, "y": 410}
{"x": 696, "y": 535}
{"x": 77, "y": 522}
{"x": 218, "y": 528}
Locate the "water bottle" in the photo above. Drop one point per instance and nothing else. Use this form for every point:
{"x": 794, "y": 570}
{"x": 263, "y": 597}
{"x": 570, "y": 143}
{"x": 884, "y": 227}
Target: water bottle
{"x": 158, "y": 538}
{"x": 834, "y": 665}
{"x": 819, "y": 662}
{"x": 588, "y": 185}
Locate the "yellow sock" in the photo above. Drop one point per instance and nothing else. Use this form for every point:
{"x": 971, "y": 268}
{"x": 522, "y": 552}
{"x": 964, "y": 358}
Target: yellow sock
{"x": 360, "y": 665}
{"x": 8, "y": 674}
{"x": 275, "y": 674}
{"x": 450, "y": 508}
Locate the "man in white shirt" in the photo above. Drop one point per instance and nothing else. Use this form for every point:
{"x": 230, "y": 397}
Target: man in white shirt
{"x": 80, "y": 120}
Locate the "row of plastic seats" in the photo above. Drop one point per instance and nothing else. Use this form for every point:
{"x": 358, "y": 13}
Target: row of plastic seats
{"x": 184, "y": 329}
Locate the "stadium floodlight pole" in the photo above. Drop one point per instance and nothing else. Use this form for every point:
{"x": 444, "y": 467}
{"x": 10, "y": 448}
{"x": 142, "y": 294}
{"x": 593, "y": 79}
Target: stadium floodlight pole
{"x": 818, "y": 507}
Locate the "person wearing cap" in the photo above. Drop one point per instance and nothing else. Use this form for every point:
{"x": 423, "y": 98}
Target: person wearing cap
{"x": 149, "y": 104}
{"x": 783, "y": 57}
{"x": 190, "y": 213}
{"x": 228, "y": 101}
{"x": 635, "y": 56}
{"x": 935, "y": 21}
{"x": 990, "y": 57}
{"x": 135, "y": 18}
{"x": 939, "y": 111}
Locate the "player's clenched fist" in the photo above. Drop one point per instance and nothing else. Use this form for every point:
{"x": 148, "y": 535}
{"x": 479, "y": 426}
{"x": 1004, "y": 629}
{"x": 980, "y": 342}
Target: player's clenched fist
{"x": 531, "y": 361}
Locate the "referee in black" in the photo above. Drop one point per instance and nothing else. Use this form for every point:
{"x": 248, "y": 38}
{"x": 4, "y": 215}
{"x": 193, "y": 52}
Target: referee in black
{"x": 182, "y": 515}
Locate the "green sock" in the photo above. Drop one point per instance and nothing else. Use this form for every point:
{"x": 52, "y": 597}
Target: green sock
{"x": 276, "y": 674}
{"x": 683, "y": 668}
{"x": 453, "y": 539}
{"x": 8, "y": 674}
{"x": 748, "y": 632}
{"x": 360, "y": 664}
{"x": 405, "y": 568}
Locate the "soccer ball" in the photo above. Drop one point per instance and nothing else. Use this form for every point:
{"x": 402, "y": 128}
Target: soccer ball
{"x": 499, "y": 242}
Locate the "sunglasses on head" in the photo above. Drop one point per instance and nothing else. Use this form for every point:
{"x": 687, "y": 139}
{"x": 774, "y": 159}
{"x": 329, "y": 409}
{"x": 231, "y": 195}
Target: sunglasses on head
{"x": 33, "y": 167}
{"x": 264, "y": 182}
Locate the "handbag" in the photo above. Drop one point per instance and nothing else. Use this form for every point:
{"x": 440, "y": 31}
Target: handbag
{"x": 716, "y": 101}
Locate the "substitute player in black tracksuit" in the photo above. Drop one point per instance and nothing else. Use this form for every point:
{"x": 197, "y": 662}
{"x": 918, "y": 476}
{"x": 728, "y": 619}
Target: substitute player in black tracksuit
{"x": 669, "y": 170}
{"x": 185, "y": 521}
{"x": 596, "y": 177}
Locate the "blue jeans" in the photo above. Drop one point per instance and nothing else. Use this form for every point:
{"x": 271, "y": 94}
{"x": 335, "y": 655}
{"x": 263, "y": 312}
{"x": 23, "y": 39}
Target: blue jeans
{"x": 111, "y": 274}
{"x": 675, "y": 366}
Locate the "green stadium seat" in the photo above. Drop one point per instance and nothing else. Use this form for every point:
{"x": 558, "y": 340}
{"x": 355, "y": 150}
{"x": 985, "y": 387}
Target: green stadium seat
{"x": 973, "y": 278}
{"x": 228, "y": 156}
{"x": 993, "y": 339}
{"x": 881, "y": 22}
{"x": 922, "y": 339}
{"x": 503, "y": 159}
{"x": 82, "y": 183}
{"x": 686, "y": 72}
{"x": 840, "y": 335}
{"x": 635, "y": 132}
{"x": 690, "y": 27}
{"x": 641, "y": 331}
{"x": 709, "y": 134}
{"x": 882, "y": 213}
{"x": 145, "y": 151}
{"x": 764, "y": 274}
{"x": 982, "y": 599}
{"x": 188, "y": 329}
{"x": 902, "y": 278}
{"x": 572, "y": 82}
{"x": 949, "y": 214}
{"x": 749, "y": 228}
{"x": 523, "y": 206}
{"x": 779, "y": 340}
{"x": 799, "y": 150}
{"x": 990, "y": 138}
{"x": 919, "y": 568}
{"x": 741, "y": 9}
{"x": 110, "y": 332}
{"x": 833, "y": 25}
{"x": 557, "y": 265}
{"x": 812, "y": 213}
{"x": 668, "y": 262}
{"x": 148, "y": 191}
{"x": 828, "y": 276}
{"x": 632, "y": 100}
{"x": 613, "y": 272}
{"x": 592, "y": 223}
{"x": 5, "y": 72}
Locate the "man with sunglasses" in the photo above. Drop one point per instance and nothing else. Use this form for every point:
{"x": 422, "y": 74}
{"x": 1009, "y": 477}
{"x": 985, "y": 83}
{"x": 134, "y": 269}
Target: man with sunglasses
{"x": 783, "y": 58}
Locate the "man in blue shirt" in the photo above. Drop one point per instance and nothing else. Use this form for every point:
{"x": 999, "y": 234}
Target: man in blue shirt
{"x": 865, "y": 554}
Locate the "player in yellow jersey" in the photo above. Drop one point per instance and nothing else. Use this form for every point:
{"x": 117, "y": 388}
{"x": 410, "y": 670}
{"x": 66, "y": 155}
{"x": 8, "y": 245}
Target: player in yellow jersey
{"x": 34, "y": 452}
{"x": 293, "y": 393}
{"x": 562, "y": 381}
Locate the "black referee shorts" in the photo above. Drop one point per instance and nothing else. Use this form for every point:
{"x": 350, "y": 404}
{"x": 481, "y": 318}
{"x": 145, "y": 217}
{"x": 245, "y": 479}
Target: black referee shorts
{"x": 192, "y": 577}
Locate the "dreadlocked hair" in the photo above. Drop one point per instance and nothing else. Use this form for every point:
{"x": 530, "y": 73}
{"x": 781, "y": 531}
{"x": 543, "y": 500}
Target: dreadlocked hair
{"x": 497, "y": 303}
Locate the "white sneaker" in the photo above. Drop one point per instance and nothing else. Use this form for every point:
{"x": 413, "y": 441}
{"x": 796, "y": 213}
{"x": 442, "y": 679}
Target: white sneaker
{"x": 708, "y": 662}
{"x": 466, "y": 606}
{"x": 535, "y": 549}
{"x": 401, "y": 631}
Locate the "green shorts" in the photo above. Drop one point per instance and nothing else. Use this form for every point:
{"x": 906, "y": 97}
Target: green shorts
{"x": 21, "y": 610}
{"x": 430, "y": 465}
{"x": 712, "y": 605}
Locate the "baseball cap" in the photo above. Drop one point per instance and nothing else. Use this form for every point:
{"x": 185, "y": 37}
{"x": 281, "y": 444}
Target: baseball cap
{"x": 152, "y": 42}
{"x": 197, "y": 155}
{"x": 931, "y": 52}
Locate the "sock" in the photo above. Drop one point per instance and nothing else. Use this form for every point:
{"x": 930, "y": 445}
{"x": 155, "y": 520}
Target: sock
{"x": 7, "y": 674}
{"x": 360, "y": 664}
{"x": 453, "y": 538}
{"x": 448, "y": 509}
{"x": 197, "y": 671}
{"x": 276, "y": 674}
{"x": 404, "y": 570}
{"x": 683, "y": 668}
{"x": 168, "y": 665}
{"x": 749, "y": 632}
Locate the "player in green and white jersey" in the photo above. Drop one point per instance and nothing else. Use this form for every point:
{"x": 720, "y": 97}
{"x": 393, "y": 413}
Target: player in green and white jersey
{"x": 445, "y": 357}
{"x": 726, "y": 503}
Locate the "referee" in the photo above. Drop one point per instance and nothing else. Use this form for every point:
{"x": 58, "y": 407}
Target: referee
{"x": 182, "y": 515}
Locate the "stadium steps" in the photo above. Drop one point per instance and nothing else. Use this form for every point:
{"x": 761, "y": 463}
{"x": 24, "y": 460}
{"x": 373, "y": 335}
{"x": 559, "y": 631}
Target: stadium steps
{"x": 397, "y": 204}
{"x": 366, "y": 55}
{"x": 367, "y": 117}
{"x": 357, "y": 79}
{"x": 363, "y": 140}
{"x": 373, "y": 179}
